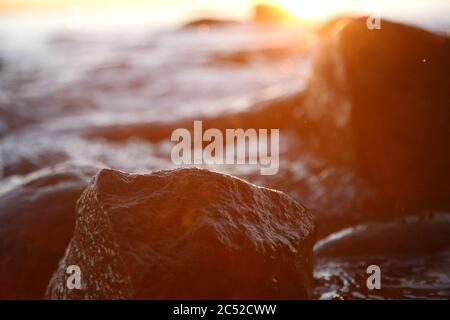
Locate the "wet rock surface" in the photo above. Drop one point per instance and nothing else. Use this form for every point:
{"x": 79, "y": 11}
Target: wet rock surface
{"x": 187, "y": 234}
{"x": 382, "y": 96}
{"x": 412, "y": 253}
{"x": 415, "y": 234}
{"x": 37, "y": 219}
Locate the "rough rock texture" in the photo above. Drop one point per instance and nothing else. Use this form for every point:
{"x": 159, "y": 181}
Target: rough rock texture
{"x": 187, "y": 234}
{"x": 381, "y": 97}
{"x": 37, "y": 218}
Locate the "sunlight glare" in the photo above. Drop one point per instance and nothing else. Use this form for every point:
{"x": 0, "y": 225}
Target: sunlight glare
{"x": 303, "y": 9}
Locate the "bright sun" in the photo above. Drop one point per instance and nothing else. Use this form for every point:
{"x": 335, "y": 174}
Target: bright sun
{"x": 307, "y": 9}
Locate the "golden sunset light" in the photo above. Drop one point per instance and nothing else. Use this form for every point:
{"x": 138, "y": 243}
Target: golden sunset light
{"x": 308, "y": 9}
{"x": 224, "y": 157}
{"x": 297, "y": 9}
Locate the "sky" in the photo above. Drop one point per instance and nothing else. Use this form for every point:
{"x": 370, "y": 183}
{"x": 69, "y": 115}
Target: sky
{"x": 240, "y": 9}
{"x": 219, "y": 5}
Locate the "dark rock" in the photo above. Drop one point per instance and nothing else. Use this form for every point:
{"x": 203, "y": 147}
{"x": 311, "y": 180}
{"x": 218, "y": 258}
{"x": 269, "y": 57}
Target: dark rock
{"x": 23, "y": 164}
{"x": 381, "y": 98}
{"x": 412, "y": 254}
{"x": 209, "y": 22}
{"x": 37, "y": 218}
{"x": 411, "y": 235}
{"x": 247, "y": 56}
{"x": 187, "y": 234}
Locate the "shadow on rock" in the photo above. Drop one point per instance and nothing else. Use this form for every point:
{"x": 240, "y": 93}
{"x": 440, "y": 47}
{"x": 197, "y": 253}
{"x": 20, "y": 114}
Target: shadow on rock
{"x": 37, "y": 219}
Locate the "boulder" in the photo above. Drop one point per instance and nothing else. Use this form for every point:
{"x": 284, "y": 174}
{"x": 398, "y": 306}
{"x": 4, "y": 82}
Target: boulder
{"x": 412, "y": 254}
{"x": 37, "y": 219}
{"x": 186, "y": 234}
{"x": 399, "y": 238}
{"x": 382, "y": 101}
{"x": 209, "y": 22}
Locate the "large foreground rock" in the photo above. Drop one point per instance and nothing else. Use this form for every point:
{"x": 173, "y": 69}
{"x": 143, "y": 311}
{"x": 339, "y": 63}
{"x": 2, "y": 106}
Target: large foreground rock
{"x": 37, "y": 218}
{"x": 187, "y": 234}
{"x": 382, "y": 97}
